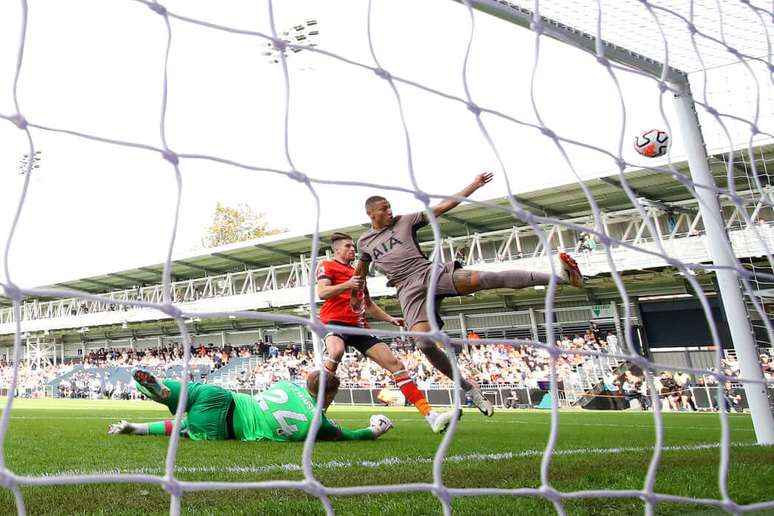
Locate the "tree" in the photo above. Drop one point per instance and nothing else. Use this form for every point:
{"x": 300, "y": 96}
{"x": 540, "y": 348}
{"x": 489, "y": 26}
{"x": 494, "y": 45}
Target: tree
{"x": 236, "y": 224}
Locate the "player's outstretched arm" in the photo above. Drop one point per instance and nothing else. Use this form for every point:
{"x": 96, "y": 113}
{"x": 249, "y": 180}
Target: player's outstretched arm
{"x": 123, "y": 427}
{"x": 448, "y": 204}
{"x": 330, "y": 431}
{"x": 155, "y": 428}
{"x": 375, "y": 312}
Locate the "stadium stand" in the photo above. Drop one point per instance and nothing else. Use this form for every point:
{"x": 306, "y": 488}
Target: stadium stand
{"x": 515, "y": 376}
{"x": 85, "y": 348}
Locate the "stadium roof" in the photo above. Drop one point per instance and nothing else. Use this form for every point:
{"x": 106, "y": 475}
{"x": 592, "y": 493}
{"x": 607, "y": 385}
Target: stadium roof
{"x": 565, "y": 201}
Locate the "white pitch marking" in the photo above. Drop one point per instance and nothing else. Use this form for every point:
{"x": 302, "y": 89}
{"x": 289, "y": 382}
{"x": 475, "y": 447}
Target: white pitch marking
{"x": 419, "y": 421}
{"x": 392, "y": 461}
{"x": 565, "y": 423}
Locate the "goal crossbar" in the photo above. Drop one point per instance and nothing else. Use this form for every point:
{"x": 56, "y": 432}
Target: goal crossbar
{"x": 577, "y": 38}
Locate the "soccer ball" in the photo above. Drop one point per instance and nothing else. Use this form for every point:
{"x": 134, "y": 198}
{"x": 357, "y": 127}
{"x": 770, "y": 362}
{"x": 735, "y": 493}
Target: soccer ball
{"x": 652, "y": 143}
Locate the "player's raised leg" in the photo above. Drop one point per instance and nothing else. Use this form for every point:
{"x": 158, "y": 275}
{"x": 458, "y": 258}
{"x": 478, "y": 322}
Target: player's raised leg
{"x": 440, "y": 361}
{"x": 468, "y": 281}
{"x": 382, "y": 355}
{"x": 150, "y": 386}
{"x": 158, "y": 391}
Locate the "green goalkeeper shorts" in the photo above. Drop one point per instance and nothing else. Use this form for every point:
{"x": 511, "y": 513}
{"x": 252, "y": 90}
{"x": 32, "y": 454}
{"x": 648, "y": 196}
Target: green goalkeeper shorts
{"x": 207, "y": 407}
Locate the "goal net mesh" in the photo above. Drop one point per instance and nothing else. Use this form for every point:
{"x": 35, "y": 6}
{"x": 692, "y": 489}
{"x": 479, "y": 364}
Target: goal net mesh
{"x": 723, "y": 46}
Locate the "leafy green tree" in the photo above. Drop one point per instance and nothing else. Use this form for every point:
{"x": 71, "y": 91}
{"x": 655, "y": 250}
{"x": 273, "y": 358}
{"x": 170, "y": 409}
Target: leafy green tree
{"x": 236, "y": 224}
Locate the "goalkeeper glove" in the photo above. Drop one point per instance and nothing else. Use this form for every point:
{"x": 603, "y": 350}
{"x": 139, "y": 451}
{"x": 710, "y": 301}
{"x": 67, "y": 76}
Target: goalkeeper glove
{"x": 122, "y": 427}
{"x": 379, "y": 425}
{"x": 125, "y": 427}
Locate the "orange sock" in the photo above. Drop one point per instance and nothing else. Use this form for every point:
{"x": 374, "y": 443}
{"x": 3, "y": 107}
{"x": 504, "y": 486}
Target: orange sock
{"x": 411, "y": 391}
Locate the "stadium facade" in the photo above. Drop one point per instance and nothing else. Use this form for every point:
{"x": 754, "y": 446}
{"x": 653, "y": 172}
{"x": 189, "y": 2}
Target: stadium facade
{"x": 272, "y": 274}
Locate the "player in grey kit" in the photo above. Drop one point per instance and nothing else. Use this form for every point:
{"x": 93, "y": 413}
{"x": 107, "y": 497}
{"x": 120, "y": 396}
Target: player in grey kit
{"x": 391, "y": 244}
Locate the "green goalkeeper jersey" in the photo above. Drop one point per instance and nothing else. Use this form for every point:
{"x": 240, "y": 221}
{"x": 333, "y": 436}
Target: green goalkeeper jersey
{"x": 284, "y": 412}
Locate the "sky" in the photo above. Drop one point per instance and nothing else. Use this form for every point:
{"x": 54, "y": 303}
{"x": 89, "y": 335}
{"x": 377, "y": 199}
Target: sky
{"x": 96, "y": 66}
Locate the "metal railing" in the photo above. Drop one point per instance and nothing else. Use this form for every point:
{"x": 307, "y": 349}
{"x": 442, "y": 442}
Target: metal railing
{"x": 681, "y": 234}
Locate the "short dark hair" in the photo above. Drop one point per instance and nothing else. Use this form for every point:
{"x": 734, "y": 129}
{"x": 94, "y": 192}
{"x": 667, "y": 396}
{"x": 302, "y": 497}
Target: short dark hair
{"x": 373, "y": 200}
{"x": 313, "y": 383}
{"x": 339, "y": 236}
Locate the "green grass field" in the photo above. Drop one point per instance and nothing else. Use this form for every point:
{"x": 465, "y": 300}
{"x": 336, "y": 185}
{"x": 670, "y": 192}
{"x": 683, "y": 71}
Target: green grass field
{"x": 49, "y": 437}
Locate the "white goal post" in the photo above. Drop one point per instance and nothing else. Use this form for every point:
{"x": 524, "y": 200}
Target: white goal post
{"x": 720, "y": 247}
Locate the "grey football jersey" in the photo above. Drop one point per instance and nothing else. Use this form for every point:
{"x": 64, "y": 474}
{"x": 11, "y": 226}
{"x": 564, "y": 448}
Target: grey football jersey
{"x": 394, "y": 249}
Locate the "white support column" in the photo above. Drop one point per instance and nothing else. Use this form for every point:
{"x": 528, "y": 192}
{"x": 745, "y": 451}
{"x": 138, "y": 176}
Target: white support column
{"x": 317, "y": 347}
{"x": 628, "y": 228}
{"x": 682, "y": 217}
{"x": 755, "y": 213}
{"x": 641, "y": 229}
{"x": 248, "y": 287}
{"x": 619, "y": 334}
{"x": 720, "y": 252}
{"x": 463, "y": 330}
{"x": 533, "y": 324}
{"x": 539, "y": 249}
{"x": 302, "y": 336}
{"x": 654, "y": 215}
{"x": 505, "y": 249}
{"x": 29, "y": 356}
{"x": 695, "y": 223}
{"x": 733, "y": 217}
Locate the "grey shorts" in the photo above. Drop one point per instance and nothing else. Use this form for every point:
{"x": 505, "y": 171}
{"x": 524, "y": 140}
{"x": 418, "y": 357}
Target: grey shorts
{"x": 412, "y": 294}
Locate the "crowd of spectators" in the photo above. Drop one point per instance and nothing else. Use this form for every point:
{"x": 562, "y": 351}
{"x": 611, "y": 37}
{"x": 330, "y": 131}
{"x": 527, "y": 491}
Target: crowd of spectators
{"x": 730, "y": 366}
{"x": 274, "y": 365}
{"x": 30, "y": 381}
{"x": 94, "y": 378}
{"x": 493, "y": 365}
{"x": 674, "y": 388}
{"x": 499, "y": 364}
{"x": 86, "y": 384}
{"x": 488, "y": 365}
{"x": 165, "y": 356}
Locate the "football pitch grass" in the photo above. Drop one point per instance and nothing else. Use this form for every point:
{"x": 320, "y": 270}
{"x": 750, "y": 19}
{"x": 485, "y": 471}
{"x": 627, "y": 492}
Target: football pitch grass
{"x": 595, "y": 450}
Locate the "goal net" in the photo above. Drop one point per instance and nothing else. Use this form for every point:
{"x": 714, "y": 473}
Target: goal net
{"x": 542, "y": 93}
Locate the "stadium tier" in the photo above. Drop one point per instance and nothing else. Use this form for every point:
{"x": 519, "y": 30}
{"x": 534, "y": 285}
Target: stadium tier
{"x": 272, "y": 274}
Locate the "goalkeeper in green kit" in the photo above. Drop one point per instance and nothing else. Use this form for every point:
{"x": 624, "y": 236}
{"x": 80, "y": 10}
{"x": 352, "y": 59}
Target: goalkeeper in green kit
{"x": 281, "y": 413}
